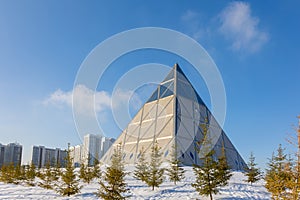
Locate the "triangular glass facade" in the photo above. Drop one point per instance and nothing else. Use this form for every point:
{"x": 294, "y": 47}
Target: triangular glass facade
{"x": 173, "y": 116}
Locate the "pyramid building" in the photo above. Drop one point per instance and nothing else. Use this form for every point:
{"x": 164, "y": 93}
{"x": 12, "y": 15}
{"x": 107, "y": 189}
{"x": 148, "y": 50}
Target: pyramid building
{"x": 175, "y": 117}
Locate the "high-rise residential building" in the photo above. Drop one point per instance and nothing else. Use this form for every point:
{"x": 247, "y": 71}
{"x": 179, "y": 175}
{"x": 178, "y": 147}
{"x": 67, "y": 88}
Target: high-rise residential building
{"x": 2, "y": 147}
{"x": 61, "y": 158}
{"x": 94, "y": 146}
{"x": 42, "y": 156}
{"x": 91, "y": 148}
{"x": 10, "y": 154}
{"x": 105, "y": 145}
{"x": 76, "y": 154}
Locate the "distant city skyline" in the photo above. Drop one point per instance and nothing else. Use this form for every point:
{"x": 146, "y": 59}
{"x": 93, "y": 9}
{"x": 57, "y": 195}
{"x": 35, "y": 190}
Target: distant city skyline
{"x": 92, "y": 146}
{"x": 254, "y": 44}
{"x": 43, "y": 156}
{"x": 10, "y": 154}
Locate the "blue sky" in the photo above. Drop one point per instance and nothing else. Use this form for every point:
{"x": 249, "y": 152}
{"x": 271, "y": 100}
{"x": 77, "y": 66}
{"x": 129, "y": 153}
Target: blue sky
{"x": 255, "y": 45}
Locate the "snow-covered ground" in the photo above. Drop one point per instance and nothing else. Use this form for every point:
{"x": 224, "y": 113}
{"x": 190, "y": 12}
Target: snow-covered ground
{"x": 237, "y": 189}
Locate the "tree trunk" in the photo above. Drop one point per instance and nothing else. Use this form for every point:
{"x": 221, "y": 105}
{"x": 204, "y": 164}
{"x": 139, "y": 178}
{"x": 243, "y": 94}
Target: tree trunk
{"x": 210, "y": 195}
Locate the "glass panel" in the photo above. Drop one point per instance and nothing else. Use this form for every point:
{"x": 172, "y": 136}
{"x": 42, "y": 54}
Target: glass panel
{"x": 180, "y": 75}
{"x": 166, "y": 153}
{"x": 169, "y": 76}
{"x": 192, "y": 155}
{"x": 168, "y": 84}
{"x": 153, "y": 97}
{"x": 166, "y": 89}
{"x": 167, "y": 93}
{"x": 162, "y": 89}
{"x": 186, "y": 107}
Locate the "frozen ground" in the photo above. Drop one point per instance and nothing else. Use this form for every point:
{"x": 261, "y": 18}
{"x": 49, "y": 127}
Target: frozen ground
{"x": 237, "y": 189}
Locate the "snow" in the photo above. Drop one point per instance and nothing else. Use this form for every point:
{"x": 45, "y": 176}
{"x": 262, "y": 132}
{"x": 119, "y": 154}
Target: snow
{"x": 237, "y": 189}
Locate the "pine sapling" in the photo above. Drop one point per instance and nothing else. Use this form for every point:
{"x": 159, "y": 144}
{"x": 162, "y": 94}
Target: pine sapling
{"x": 8, "y": 173}
{"x": 252, "y": 172}
{"x": 86, "y": 173}
{"x": 155, "y": 175}
{"x": 114, "y": 186}
{"x": 213, "y": 173}
{"x": 277, "y": 177}
{"x": 141, "y": 168}
{"x": 70, "y": 182}
{"x": 96, "y": 172}
{"x": 175, "y": 172}
{"x": 30, "y": 175}
{"x": 206, "y": 176}
{"x": 57, "y": 172}
{"x": 224, "y": 173}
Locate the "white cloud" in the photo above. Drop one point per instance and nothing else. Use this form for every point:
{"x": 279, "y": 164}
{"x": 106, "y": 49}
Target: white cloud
{"x": 239, "y": 26}
{"x": 191, "y": 21}
{"x": 87, "y": 101}
{"x": 59, "y": 98}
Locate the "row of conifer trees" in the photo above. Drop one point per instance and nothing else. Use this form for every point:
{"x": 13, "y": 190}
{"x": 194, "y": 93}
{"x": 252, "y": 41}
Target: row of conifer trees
{"x": 209, "y": 177}
{"x": 112, "y": 182}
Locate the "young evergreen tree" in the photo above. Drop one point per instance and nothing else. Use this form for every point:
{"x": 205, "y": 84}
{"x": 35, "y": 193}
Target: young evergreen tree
{"x": 70, "y": 182}
{"x": 277, "y": 178}
{"x": 14, "y": 173}
{"x": 291, "y": 193}
{"x": 30, "y": 174}
{"x": 89, "y": 174}
{"x": 8, "y": 173}
{"x": 213, "y": 173}
{"x": 252, "y": 172}
{"x": 86, "y": 174}
{"x": 47, "y": 177}
{"x": 224, "y": 173}
{"x": 20, "y": 173}
{"x": 295, "y": 169}
{"x": 207, "y": 176}
{"x": 17, "y": 174}
{"x": 82, "y": 171}
{"x": 96, "y": 173}
{"x": 141, "y": 168}
{"x": 155, "y": 175}
{"x": 115, "y": 185}
{"x": 175, "y": 172}
{"x": 38, "y": 172}
{"x": 56, "y": 172}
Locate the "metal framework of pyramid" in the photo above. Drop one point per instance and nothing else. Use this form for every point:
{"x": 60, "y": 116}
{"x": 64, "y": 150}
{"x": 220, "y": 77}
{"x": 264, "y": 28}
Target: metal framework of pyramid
{"x": 173, "y": 117}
